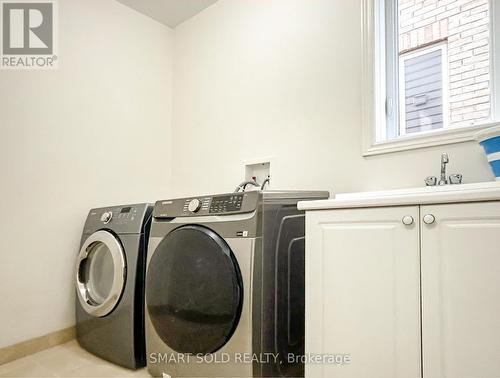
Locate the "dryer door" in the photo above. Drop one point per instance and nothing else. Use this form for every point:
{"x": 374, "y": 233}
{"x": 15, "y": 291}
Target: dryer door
{"x": 100, "y": 273}
{"x": 194, "y": 290}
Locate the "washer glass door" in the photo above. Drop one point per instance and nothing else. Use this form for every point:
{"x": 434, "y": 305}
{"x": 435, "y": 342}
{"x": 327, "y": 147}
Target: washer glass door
{"x": 194, "y": 290}
{"x": 100, "y": 273}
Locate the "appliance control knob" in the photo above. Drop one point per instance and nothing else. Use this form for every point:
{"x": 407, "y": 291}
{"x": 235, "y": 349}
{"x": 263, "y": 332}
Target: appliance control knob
{"x": 194, "y": 205}
{"x": 106, "y": 217}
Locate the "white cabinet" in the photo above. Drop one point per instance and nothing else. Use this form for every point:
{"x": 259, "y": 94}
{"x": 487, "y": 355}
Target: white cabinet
{"x": 398, "y": 298}
{"x": 363, "y": 292}
{"x": 461, "y": 290}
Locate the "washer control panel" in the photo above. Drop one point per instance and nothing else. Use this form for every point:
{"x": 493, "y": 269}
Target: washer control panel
{"x": 223, "y": 204}
{"x": 121, "y": 219}
{"x": 119, "y": 215}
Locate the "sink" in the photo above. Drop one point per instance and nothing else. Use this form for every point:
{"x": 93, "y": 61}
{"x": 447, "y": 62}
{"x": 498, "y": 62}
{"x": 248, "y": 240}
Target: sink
{"x": 418, "y": 190}
{"x": 483, "y": 191}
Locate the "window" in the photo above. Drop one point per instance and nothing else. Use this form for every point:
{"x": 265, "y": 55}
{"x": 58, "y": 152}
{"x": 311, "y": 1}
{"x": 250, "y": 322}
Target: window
{"x": 423, "y": 90}
{"x": 431, "y": 71}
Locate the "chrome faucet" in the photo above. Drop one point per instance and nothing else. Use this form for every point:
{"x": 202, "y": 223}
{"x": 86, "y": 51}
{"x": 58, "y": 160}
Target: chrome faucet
{"x": 431, "y": 181}
{"x": 453, "y": 179}
{"x": 444, "y": 160}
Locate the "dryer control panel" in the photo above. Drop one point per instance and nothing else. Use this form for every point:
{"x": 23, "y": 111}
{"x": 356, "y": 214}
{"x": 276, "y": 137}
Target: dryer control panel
{"x": 227, "y": 203}
{"x": 221, "y": 204}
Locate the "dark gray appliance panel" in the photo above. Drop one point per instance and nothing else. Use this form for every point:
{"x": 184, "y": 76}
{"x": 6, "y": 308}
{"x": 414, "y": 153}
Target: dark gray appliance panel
{"x": 283, "y": 289}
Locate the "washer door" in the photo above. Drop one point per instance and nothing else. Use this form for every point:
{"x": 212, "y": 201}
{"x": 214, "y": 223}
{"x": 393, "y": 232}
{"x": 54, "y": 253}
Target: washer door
{"x": 100, "y": 273}
{"x": 194, "y": 290}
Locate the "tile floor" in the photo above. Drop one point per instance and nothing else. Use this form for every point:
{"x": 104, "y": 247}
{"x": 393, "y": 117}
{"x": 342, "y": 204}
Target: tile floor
{"x": 65, "y": 360}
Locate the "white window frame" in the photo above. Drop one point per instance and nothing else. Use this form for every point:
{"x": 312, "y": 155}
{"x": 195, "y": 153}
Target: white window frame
{"x": 374, "y": 88}
{"x": 445, "y": 79}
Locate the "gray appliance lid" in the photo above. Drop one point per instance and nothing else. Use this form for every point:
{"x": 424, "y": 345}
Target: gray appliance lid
{"x": 269, "y": 195}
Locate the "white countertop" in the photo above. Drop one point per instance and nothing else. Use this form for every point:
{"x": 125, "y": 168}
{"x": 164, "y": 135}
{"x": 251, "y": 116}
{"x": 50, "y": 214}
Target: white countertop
{"x": 485, "y": 191}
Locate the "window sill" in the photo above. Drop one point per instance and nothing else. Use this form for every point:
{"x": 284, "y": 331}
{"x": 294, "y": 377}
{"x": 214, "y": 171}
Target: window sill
{"x": 435, "y": 138}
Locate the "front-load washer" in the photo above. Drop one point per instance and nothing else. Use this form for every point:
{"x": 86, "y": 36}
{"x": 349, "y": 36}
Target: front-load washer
{"x": 225, "y": 285}
{"x": 109, "y": 280}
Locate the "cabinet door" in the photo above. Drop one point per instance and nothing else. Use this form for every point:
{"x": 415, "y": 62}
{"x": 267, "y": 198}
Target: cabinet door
{"x": 363, "y": 292}
{"x": 461, "y": 290}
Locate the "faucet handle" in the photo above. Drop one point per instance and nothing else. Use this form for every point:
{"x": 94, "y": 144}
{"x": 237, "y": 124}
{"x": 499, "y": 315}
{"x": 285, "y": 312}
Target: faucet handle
{"x": 431, "y": 181}
{"x": 456, "y": 179}
{"x": 445, "y": 158}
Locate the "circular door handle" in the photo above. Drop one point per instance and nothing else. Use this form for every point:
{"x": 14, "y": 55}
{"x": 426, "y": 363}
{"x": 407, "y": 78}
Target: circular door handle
{"x": 407, "y": 220}
{"x": 429, "y": 219}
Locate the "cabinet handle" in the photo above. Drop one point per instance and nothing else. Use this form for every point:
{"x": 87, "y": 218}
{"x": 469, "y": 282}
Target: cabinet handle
{"x": 429, "y": 219}
{"x": 407, "y": 220}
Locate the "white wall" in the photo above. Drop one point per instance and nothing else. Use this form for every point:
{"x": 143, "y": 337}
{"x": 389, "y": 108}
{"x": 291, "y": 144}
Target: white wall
{"x": 95, "y": 132}
{"x": 282, "y": 78}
